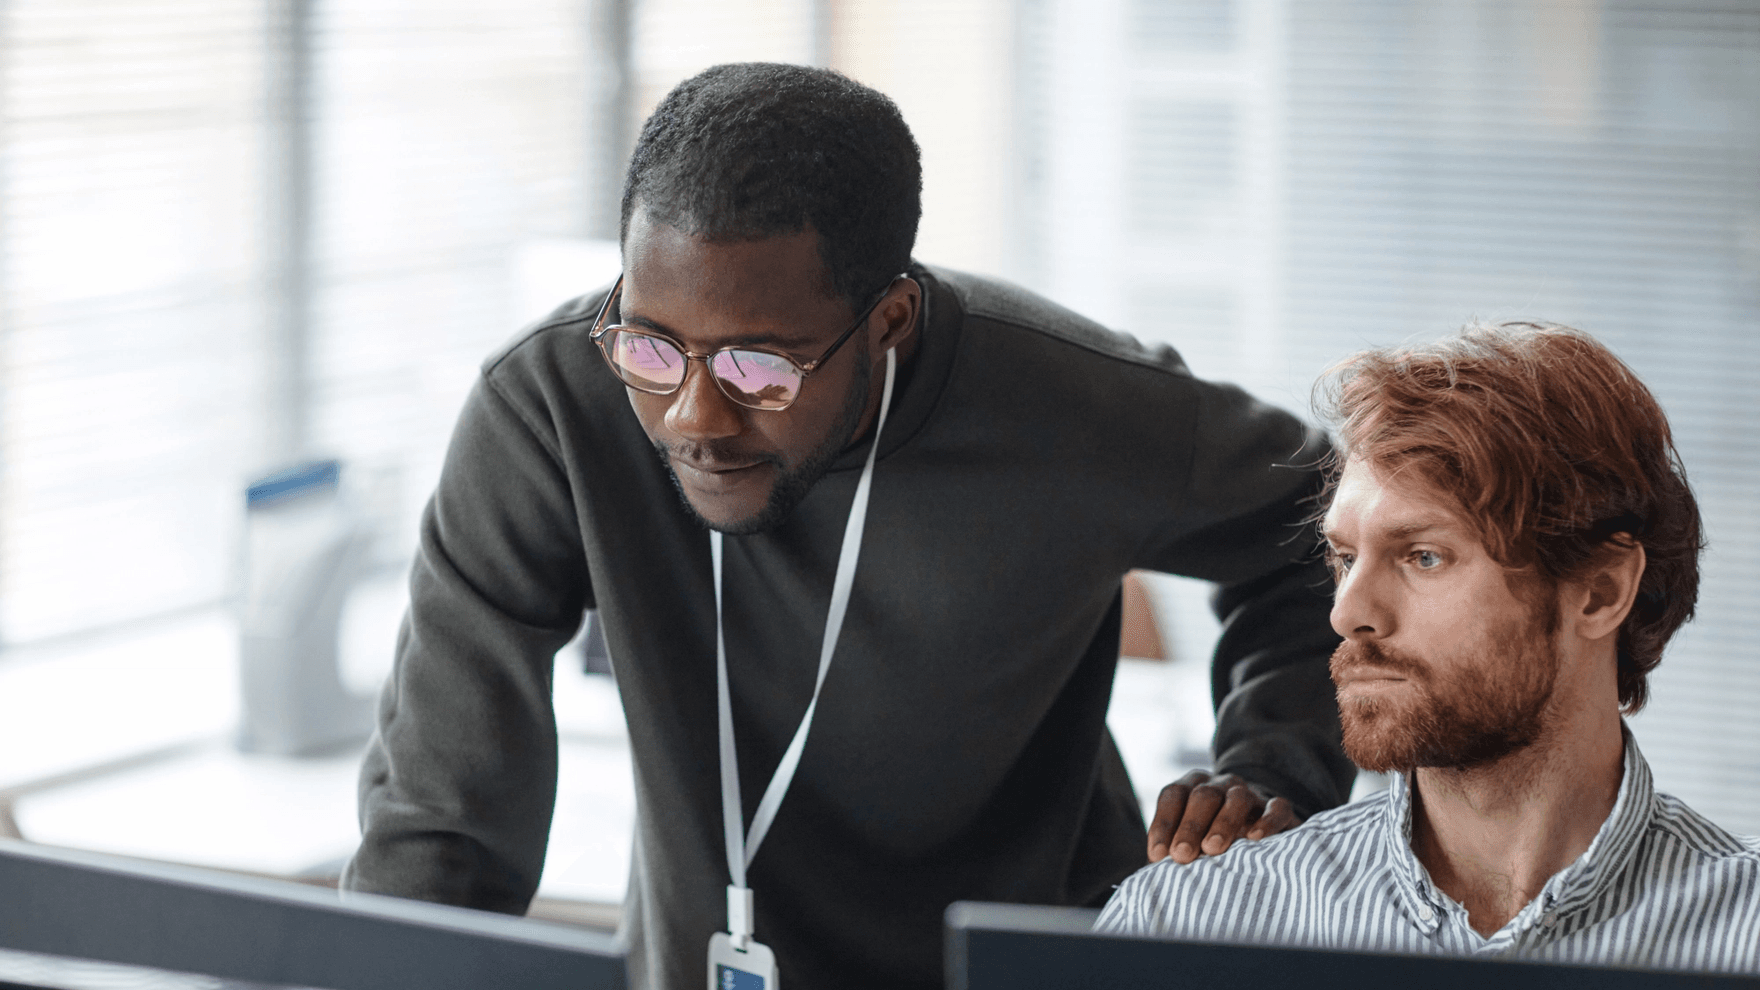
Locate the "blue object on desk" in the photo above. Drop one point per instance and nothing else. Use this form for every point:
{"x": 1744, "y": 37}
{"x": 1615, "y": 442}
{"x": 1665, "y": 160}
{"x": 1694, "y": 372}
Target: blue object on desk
{"x": 304, "y": 546}
{"x": 306, "y": 479}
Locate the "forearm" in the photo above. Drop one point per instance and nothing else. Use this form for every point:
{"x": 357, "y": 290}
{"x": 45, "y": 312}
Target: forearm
{"x": 459, "y": 783}
{"x": 1244, "y": 522}
{"x": 412, "y": 850}
{"x": 1276, "y": 714}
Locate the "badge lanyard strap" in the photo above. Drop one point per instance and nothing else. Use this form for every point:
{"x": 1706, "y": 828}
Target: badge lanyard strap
{"x": 742, "y": 848}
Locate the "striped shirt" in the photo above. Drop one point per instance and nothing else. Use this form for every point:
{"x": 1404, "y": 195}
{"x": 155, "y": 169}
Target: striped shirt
{"x": 1659, "y": 887}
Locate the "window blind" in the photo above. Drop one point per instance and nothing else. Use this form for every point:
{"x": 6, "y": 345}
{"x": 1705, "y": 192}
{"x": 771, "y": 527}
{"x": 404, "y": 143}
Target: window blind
{"x": 445, "y": 136}
{"x": 136, "y": 243}
{"x": 1304, "y": 180}
{"x": 130, "y": 304}
{"x": 1596, "y": 164}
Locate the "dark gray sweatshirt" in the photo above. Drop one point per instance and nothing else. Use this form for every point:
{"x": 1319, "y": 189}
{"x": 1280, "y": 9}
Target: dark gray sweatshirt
{"x": 960, "y": 750}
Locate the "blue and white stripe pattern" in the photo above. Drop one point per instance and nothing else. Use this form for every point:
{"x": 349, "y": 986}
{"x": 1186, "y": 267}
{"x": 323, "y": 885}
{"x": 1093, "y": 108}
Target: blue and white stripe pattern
{"x": 1659, "y": 887}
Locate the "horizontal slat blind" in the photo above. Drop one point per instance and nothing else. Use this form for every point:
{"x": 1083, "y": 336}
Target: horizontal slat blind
{"x": 1592, "y": 164}
{"x": 676, "y": 39}
{"x": 130, "y": 254}
{"x": 134, "y": 255}
{"x": 446, "y": 135}
{"x": 1306, "y": 179}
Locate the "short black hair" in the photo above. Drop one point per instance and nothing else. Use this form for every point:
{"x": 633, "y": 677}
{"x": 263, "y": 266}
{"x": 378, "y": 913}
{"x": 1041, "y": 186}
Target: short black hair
{"x": 752, "y": 150}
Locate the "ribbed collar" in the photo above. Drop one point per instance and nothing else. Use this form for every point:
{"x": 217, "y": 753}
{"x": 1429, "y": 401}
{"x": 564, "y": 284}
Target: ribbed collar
{"x": 921, "y": 380}
{"x": 1564, "y": 902}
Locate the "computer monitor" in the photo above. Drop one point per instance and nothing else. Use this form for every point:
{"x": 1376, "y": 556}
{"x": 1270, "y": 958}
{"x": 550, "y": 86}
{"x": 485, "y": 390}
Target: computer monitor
{"x": 88, "y": 906}
{"x": 1020, "y": 947}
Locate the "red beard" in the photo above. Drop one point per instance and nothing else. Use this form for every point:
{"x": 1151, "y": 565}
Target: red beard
{"x": 1480, "y": 707}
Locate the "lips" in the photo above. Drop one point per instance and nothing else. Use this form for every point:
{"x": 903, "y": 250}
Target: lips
{"x": 713, "y": 475}
{"x": 713, "y": 467}
{"x": 1366, "y": 662}
{"x": 1359, "y": 680}
{"x": 1354, "y": 675}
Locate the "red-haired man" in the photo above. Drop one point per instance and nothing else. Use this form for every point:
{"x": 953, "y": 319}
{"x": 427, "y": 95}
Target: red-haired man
{"x": 1515, "y": 542}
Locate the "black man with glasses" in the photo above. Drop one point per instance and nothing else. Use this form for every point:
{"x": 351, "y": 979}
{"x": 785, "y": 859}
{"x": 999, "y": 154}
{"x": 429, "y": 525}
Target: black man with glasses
{"x": 856, "y": 528}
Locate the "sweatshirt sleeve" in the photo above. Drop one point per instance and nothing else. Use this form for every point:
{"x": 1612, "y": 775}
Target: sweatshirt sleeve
{"x": 459, "y": 780}
{"x": 1243, "y": 522}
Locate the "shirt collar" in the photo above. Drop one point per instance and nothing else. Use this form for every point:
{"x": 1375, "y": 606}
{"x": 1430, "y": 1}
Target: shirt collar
{"x": 1569, "y": 891}
{"x": 1418, "y": 897}
{"x": 1616, "y": 843}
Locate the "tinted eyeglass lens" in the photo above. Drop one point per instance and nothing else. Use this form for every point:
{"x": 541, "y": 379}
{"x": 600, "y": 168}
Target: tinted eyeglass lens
{"x": 644, "y": 362}
{"x": 756, "y": 379}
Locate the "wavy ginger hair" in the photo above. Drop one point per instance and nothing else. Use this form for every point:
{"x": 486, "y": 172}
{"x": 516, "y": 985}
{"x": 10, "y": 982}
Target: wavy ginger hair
{"x": 1550, "y": 448}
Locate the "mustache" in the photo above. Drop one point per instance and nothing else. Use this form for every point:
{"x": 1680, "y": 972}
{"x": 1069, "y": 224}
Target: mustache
{"x": 711, "y": 452}
{"x": 1351, "y": 655}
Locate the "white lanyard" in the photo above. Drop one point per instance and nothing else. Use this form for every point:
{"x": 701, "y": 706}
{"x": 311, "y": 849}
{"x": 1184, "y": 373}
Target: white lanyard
{"x": 743, "y": 848}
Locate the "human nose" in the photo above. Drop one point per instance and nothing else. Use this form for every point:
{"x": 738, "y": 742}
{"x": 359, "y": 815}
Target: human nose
{"x": 699, "y": 410}
{"x": 1359, "y": 606}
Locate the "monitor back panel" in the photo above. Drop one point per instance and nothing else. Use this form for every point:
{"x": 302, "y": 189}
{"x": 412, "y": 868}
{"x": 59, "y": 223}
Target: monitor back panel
{"x": 1014, "y": 947}
{"x": 88, "y": 906}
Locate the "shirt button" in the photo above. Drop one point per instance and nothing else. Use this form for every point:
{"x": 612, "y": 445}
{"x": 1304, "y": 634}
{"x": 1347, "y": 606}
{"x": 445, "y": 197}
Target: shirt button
{"x": 1426, "y": 914}
{"x": 1550, "y": 919}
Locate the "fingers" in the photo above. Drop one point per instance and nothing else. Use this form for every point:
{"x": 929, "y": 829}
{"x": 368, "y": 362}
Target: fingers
{"x": 1279, "y": 816}
{"x": 1240, "y": 808}
{"x": 1170, "y": 808}
{"x": 1202, "y": 804}
{"x": 1201, "y": 814}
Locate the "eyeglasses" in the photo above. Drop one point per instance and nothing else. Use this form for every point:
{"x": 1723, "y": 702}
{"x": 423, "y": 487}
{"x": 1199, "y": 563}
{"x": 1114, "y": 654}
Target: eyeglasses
{"x": 753, "y": 377}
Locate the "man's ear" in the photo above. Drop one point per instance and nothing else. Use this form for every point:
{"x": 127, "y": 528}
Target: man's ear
{"x": 1609, "y": 588}
{"x": 895, "y": 319}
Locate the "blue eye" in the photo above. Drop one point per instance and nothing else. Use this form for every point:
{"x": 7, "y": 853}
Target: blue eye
{"x": 1341, "y": 562}
{"x": 1427, "y": 560}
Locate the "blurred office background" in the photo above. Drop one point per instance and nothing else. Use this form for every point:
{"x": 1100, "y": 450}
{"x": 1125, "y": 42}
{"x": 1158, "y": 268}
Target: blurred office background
{"x": 239, "y": 233}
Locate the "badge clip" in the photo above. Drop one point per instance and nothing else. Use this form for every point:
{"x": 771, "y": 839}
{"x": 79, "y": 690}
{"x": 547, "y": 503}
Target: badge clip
{"x": 739, "y": 915}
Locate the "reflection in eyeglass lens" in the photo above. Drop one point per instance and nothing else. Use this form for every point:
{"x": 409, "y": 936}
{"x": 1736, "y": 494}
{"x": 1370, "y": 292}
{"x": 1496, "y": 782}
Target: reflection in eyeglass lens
{"x": 645, "y": 352}
{"x": 647, "y": 362}
{"x": 761, "y": 380}
{"x": 752, "y": 378}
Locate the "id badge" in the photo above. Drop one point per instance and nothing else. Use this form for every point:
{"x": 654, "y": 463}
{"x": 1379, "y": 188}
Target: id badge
{"x": 751, "y": 968}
